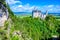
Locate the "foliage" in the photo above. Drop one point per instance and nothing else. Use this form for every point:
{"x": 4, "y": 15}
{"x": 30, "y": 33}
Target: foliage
{"x": 2, "y": 0}
{"x": 37, "y": 29}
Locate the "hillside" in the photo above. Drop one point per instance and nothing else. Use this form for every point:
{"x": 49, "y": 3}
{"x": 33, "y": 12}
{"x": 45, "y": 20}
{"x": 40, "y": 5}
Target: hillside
{"x": 37, "y": 29}
{"x": 29, "y": 28}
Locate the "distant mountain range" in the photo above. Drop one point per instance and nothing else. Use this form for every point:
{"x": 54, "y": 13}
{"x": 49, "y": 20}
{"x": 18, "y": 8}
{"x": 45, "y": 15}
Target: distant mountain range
{"x": 30, "y": 13}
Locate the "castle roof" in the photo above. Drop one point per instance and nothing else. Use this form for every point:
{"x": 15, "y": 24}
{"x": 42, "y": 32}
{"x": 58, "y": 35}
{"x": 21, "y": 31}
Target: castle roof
{"x": 36, "y": 11}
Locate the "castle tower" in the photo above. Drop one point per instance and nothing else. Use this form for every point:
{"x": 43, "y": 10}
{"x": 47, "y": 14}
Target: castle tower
{"x": 36, "y": 13}
{"x": 44, "y": 16}
{"x": 46, "y": 12}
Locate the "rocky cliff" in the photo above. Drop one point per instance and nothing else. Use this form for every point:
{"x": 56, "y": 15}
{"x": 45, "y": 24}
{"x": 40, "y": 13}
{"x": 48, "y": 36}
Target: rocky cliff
{"x": 3, "y": 14}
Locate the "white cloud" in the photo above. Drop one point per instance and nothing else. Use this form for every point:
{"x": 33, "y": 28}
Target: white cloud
{"x": 50, "y": 5}
{"x": 20, "y": 6}
{"x": 12, "y": 1}
{"x": 28, "y": 8}
{"x": 50, "y": 8}
{"x": 54, "y": 8}
{"x": 23, "y": 8}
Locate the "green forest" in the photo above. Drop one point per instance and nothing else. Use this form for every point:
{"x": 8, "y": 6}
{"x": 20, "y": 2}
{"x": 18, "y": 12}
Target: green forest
{"x": 28, "y": 28}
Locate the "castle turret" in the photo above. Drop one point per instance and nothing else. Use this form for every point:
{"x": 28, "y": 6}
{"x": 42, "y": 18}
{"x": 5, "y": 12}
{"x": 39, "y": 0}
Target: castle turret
{"x": 46, "y": 12}
{"x": 36, "y": 13}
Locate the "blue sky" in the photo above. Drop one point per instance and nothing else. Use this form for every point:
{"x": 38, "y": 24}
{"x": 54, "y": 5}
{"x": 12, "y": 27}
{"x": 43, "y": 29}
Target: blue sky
{"x": 53, "y": 6}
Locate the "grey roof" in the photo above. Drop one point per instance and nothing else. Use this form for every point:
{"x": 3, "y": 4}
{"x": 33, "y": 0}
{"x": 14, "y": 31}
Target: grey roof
{"x": 36, "y": 11}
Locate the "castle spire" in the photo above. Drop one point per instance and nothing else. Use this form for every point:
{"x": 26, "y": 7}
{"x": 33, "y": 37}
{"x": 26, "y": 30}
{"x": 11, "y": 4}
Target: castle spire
{"x": 35, "y": 8}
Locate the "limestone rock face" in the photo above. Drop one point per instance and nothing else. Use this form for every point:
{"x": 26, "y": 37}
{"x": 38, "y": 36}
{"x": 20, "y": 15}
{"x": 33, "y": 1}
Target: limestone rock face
{"x": 3, "y": 14}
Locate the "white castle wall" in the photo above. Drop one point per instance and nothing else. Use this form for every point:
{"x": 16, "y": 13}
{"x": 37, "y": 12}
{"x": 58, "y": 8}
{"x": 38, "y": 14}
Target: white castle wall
{"x": 37, "y": 14}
